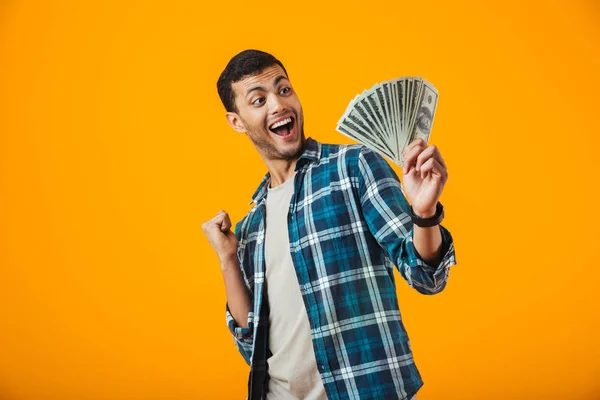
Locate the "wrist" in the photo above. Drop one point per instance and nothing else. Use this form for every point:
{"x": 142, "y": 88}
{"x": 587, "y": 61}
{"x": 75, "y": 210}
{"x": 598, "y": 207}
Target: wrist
{"x": 426, "y": 218}
{"x": 228, "y": 261}
{"x": 425, "y": 213}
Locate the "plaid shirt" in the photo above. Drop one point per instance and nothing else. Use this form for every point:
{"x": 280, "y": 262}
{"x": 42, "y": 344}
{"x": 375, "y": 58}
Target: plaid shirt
{"x": 348, "y": 226}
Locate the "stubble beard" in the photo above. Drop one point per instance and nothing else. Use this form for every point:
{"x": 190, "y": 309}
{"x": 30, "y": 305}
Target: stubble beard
{"x": 257, "y": 137}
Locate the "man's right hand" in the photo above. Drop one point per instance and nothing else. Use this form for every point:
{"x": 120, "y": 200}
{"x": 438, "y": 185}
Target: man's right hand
{"x": 225, "y": 243}
{"x": 221, "y": 238}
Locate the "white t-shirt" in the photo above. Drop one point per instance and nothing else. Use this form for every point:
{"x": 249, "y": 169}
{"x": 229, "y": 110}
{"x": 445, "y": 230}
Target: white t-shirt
{"x": 292, "y": 367}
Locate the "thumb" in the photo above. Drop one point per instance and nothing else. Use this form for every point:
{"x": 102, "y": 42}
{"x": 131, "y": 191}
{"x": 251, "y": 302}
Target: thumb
{"x": 225, "y": 222}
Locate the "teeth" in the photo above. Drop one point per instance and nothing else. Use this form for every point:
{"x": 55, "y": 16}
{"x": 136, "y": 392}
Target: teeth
{"x": 278, "y": 124}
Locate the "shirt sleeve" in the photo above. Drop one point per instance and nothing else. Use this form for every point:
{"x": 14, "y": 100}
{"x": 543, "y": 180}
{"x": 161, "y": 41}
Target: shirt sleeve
{"x": 243, "y": 337}
{"x": 385, "y": 209}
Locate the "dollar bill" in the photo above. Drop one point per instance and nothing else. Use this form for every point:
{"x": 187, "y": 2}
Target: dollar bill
{"x": 390, "y": 115}
{"x": 425, "y": 112}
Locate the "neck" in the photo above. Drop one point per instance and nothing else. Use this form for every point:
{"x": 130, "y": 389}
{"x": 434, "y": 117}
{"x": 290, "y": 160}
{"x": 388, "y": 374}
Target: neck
{"x": 281, "y": 170}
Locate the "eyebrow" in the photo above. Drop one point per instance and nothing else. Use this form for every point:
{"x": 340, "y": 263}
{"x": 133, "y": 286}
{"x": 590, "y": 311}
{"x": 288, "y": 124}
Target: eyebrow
{"x": 277, "y": 80}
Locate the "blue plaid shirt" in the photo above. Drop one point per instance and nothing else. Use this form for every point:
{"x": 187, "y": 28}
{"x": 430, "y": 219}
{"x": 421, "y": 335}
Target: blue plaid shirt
{"x": 348, "y": 226}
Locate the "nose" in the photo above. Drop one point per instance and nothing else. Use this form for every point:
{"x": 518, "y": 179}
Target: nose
{"x": 276, "y": 105}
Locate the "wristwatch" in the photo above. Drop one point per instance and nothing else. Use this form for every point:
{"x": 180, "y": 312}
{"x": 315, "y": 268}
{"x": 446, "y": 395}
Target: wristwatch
{"x": 431, "y": 221}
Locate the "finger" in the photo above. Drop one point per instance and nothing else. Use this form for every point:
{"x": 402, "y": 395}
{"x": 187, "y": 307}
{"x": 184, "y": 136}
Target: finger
{"x": 214, "y": 221}
{"x": 424, "y": 156}
{"x": 411, "y": 157}
{"x": 215, "y": 217}
{"x": 222, "y": 221}
{"x": 226, "y": 223}
{"x": 416, "y": 142}
{"x": 219, "y": 217}
{"x": 438, "y": 156}
{"x": 435, "y": 168}
{"x": 431, "y": 151}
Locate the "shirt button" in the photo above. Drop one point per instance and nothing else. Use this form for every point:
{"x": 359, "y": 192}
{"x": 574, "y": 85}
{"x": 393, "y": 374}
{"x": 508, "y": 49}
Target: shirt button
{"x": 321, "y": 367}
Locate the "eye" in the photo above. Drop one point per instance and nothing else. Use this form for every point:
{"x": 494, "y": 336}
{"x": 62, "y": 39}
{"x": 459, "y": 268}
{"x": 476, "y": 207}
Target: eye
{"x": 257, "y": 102}
{"x": 285, "y": 90}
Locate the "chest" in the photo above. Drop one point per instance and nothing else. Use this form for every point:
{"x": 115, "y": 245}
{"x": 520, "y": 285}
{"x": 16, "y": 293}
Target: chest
{"x": 323, "y": 216}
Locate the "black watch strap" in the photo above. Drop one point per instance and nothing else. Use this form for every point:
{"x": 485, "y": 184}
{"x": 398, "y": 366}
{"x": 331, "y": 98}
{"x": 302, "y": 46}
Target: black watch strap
{"x": 431, "y": 221}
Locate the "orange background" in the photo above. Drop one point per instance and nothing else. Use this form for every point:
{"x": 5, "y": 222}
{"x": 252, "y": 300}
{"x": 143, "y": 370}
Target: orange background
{"x": 114, "y": 149}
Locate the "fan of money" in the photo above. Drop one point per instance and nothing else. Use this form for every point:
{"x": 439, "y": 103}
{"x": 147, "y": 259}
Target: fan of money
{"x": 390, "y": 115}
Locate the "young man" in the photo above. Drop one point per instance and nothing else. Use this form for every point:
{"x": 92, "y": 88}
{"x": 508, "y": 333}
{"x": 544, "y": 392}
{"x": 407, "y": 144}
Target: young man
{"x": 311, "y": 297}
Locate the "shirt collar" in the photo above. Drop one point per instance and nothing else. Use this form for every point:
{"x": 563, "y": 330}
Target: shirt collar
{"x": 312, "y": 153}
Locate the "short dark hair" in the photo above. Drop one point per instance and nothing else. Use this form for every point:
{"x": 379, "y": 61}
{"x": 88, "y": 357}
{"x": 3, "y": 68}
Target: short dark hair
{"x": 246, "y": 63}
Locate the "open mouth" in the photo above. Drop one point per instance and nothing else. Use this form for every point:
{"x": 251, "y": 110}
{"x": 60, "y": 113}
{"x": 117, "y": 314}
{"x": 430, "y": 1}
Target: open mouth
{"x": 283, "y": 128}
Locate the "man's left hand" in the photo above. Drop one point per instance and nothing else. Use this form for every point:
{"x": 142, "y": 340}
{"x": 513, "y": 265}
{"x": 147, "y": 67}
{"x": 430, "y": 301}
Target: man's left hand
{"x": 424, "y": 176}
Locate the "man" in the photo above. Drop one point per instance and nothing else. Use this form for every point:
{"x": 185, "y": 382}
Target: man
{"x": 311, "y": 297}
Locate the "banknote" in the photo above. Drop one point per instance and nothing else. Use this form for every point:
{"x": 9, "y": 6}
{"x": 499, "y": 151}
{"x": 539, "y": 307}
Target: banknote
{"x": 390, "y": 115}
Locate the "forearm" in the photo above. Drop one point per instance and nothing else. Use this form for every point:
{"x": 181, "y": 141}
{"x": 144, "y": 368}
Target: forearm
{"x": 428, "y": 242}
{"x": 238, "y": 299}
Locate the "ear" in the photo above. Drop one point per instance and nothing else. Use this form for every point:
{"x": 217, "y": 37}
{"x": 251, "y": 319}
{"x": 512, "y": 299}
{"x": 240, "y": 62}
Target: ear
{"x": 235, "y": 122}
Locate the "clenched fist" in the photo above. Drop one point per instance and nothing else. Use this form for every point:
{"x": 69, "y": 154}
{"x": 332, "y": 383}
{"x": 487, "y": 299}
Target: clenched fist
{"x": 221, "y": 238}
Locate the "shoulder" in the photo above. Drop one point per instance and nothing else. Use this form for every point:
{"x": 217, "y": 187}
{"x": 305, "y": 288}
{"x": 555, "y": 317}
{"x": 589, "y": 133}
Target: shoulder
{"x": 357, "y": 159}
{"x": 345, "y": 154}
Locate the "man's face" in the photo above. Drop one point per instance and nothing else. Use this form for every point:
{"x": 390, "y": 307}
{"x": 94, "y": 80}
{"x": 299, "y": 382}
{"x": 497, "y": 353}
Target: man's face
{"x": 270, "y": 113}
